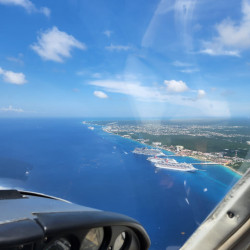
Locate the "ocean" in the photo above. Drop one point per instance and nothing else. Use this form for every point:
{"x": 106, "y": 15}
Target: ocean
{"x": 63, "y": 158}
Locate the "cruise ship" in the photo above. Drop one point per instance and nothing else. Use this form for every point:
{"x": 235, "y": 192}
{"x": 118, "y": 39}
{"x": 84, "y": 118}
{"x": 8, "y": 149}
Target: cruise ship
{"x": 166, "y": 163}
{"x": 161, "y": 160}
{"x": 171, "y": 164}
{"x": 186, "y": 167}
{"x": 148, "y": 151}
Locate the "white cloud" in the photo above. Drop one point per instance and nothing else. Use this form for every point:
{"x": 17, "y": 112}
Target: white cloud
{"x": 232, "y": 37}
{"x": 76, "y": 90}
{"x": 27, "y": 5}
{"x": 13, "y": 77}
{"x": 176, "y": 86}
{"x": 134, "y": 89}
{"x": 46, "y": 11}
{"x": 100, "y": 94}
{"x": 15, "y": 60}
{"x": 96, "y": 75}
{"x": 187, "y": 67}
{"x": 217, "y": 50}
{"x": 89, "y": 73}
{"x": 11, "y": 109}
{"x": 82, "y": 72}
{"x": 142, "y": 92}
{"x": 56, "y": 45}
{"x": 201, "y": 93}
{"x": 189, "y": 71}
{"x": 182, "y": 64}
{"x": 107, "y": 33}
{"x": 112, "y": 47}
{"x": 158, "y": 95}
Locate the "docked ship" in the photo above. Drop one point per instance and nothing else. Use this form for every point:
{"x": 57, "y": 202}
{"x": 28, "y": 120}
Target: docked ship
{"x": 165, "y": 163}
{"x": 148, "y": 151}
{"x": 186, "y": 167}
{"x": 161, "y": 160}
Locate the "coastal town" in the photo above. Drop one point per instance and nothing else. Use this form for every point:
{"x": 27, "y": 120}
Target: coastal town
{"x": 152, "y": 133}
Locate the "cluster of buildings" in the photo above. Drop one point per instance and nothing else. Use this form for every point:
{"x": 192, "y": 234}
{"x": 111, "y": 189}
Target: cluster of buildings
{"x": 155, "y": 128}
{"x": 128, "y": 130}
{"x": 211, "y": 157}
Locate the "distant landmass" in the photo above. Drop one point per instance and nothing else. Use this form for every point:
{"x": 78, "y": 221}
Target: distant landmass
{"x": 224, "y": 141}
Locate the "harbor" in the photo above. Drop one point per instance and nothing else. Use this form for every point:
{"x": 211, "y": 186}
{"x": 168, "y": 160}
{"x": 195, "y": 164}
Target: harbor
{"x": 158, "y": 161}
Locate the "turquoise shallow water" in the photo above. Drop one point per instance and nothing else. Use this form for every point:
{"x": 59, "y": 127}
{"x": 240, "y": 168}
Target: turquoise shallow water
{"x": 91, "y": 167}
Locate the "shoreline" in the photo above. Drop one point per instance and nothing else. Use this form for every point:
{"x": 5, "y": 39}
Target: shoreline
{"x": 230, "y": 168}
{"x": 192, "y": 157}
{"x": 220, "y": 165}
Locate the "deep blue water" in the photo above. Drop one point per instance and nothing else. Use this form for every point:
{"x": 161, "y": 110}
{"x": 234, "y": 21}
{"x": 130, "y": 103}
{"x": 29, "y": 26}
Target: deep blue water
{"x": 93, "y": 168}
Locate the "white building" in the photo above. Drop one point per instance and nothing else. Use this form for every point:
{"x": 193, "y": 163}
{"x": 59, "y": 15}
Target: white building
{"x": 179, "y": 148}
{"x": 156, "y": 143}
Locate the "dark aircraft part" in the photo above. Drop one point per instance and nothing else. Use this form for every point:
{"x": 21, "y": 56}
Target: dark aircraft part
{"x": 228, "y": 226}
{"x": 41, "y": 222}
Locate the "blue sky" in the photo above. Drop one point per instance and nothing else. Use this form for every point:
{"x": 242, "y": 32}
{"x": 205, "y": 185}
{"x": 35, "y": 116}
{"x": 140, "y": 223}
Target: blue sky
{"x": 164, "y": 58}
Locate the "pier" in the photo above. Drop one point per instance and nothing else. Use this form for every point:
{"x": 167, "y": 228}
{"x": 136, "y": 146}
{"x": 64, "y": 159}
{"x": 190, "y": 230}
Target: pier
{"x": 207, "y": 163}
{"x": 198, "y": 163}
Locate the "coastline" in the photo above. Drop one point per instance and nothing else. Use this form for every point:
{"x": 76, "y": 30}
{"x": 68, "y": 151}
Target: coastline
{"x": 147, "y": 145}
{"x": 196, "y": 158}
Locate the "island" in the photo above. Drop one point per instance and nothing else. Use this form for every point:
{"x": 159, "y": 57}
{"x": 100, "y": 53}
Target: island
{"x": 223, "y": 142}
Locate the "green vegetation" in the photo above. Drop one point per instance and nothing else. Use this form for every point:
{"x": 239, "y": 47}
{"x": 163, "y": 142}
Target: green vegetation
{"x": 198, "y": 143}
{"x": 240, "y": 166}
{"x": 230, "y": 137}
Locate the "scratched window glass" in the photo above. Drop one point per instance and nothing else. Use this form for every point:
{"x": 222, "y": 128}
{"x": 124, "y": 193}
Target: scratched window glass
{"x": 136, "y": 107}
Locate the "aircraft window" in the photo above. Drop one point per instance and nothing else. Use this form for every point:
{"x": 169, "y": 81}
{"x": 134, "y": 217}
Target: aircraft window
{"x": 135, "y": 107}
{"x": 60, "y": 244}
{"x": 120, "y": 241}
{"x": 93, "y": 239}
